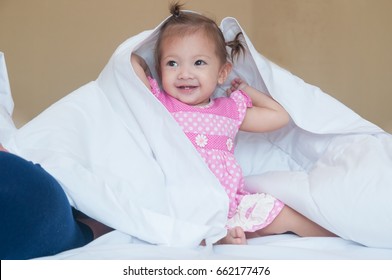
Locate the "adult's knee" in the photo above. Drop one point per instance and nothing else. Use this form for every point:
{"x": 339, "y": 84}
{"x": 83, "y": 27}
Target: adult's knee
{"x": 35, "y": 213}
{"x": 22, "y": 179}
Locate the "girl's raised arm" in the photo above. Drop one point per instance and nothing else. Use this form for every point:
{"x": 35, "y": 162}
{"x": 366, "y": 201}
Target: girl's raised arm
{"x": 141, "y": 68}
{"x": 265, "y": 115}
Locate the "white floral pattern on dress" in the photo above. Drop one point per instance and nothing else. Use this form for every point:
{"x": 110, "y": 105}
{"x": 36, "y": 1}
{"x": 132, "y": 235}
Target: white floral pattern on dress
{"x": 229, "y": 144}
{"x": 201, "y": 140}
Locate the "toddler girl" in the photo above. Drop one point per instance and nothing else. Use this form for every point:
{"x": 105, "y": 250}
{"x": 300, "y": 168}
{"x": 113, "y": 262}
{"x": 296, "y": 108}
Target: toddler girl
{"x": 192, "y": 60}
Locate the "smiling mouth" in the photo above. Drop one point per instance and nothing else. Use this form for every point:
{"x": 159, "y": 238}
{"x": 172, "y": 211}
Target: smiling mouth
{"x": 186, "y": 87}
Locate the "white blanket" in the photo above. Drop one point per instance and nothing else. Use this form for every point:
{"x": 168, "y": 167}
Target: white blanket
{"x": 7, "y": 126}
{"x": 123, "y": 160}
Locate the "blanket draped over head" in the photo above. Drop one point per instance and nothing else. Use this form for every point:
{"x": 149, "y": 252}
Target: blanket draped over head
{"x": 123, "y": 160}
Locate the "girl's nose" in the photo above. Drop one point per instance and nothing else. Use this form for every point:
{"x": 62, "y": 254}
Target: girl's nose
{"x": 185, "y": 73}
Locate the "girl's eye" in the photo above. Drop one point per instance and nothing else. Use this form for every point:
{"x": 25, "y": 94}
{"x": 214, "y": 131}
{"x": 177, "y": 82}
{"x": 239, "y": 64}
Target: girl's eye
{"x": 200, "y": 62}
{"x": 171, "y": 63}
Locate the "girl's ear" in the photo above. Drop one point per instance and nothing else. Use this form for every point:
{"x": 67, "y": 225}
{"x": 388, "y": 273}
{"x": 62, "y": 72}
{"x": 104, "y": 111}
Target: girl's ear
{"x": 224, "y": 72}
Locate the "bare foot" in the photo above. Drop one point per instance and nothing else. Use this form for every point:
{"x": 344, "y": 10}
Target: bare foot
{"x": 234, "y": 235}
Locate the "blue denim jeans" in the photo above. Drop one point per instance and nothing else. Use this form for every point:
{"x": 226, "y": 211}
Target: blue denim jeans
{"x": 36, "y": 218}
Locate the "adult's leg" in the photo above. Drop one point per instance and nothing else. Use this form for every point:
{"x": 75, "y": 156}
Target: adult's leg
{"x": 35, "y": 215}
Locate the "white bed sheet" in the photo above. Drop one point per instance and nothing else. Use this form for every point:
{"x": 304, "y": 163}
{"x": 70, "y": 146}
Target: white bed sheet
{"x": 119, "y": 246}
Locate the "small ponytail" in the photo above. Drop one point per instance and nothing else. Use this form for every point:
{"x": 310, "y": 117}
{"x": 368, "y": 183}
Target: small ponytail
{"x": 175, "y": 9}
{"x": 237, "y": 46}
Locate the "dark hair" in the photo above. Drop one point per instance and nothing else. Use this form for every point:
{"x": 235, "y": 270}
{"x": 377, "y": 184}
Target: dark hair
{"x": 185, "y": 23}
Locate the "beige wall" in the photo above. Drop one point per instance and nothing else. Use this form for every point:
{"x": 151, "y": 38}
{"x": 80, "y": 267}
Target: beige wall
{"x": 342, "y": 46}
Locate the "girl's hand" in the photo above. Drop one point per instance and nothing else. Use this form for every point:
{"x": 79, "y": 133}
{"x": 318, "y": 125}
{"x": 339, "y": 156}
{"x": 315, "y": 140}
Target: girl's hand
{"x": 2, "y": 149}
{"x": 237, "y": 84}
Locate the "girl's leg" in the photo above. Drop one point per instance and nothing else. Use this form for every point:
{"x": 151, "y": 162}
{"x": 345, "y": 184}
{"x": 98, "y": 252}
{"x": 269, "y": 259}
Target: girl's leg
{"x": 35, "y": 215}
{"x": 290, "y": 220}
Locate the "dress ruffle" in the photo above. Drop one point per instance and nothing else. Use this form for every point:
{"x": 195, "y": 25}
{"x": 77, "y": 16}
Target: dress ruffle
{"x": 255, "y": 211}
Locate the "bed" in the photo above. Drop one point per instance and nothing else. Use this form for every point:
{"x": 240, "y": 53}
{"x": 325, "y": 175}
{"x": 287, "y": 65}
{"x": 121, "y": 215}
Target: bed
{"x": 329, "y": 164}
{"x": 120, "y": 246}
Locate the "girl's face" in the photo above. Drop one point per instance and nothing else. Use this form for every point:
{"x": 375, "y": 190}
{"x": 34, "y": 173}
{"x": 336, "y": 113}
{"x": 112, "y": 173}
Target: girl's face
{"x": 190, "y": 68}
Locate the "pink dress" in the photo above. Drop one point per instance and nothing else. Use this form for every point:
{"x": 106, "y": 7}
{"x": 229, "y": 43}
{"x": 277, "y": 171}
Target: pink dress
{"x": 212, "y": 129}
